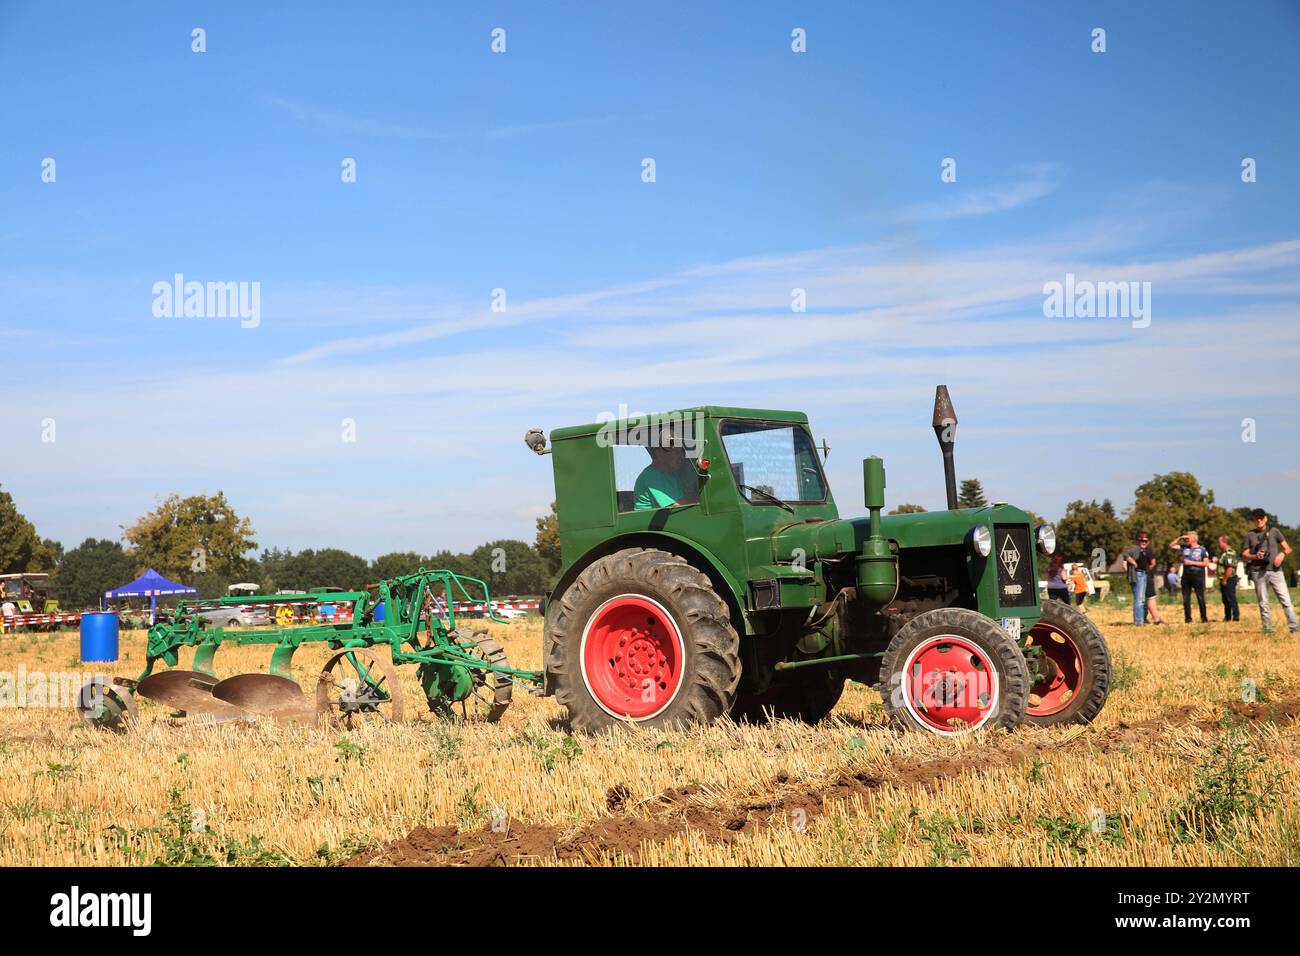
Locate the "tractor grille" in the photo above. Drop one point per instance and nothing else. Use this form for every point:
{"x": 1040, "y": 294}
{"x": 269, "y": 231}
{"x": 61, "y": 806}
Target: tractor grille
{"x": 1015, "y": 563}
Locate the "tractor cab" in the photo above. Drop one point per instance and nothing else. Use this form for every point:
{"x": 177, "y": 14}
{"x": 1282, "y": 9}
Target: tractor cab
{"x": 29, "y": 593}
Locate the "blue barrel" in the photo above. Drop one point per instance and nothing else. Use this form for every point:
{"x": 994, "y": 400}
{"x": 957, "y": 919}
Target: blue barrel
{"x": 380, "y": 613}
{"x": 326, "y": 612}
{"x": 99, "y": 636}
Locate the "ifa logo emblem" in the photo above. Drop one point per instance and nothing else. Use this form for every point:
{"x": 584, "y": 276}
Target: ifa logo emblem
{"x": 1010, "y": 556}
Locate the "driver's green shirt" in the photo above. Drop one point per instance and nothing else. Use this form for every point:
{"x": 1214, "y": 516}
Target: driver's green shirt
{"x": 656, "y": 489}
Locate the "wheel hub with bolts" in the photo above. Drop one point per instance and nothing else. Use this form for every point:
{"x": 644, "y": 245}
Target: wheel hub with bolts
{"x": 1060, "y": 669}
{"x": 632, "y": 656}
{"x": 950, "y": 684}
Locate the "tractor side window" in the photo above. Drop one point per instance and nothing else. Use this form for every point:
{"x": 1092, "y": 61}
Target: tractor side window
{"x": 773, "y": 459}
{"x": 649, "y": 476}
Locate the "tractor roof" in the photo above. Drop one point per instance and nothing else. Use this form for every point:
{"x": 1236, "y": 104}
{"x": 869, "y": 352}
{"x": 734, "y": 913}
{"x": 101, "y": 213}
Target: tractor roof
{"x": 706, "y": 411}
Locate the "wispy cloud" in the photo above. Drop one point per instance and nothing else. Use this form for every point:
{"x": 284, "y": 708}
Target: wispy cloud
{"x": 335, "y": 121}
{"x": 1037, "y": 181}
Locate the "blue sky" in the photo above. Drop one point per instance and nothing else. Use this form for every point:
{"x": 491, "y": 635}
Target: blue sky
{"x": 522, "y": 171}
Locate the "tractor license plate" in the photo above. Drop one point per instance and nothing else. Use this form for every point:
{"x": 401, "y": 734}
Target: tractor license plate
{"x": 1012, "y": 626}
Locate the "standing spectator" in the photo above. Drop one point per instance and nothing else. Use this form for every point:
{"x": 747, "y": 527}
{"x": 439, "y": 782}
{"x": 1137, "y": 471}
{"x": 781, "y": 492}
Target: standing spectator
{"x": 1079, "y": 584}
{"x": 7, "y": 612}
{"x": 1227, "y": 571}
{"x": 1140, "y": 562}
{"x": 1195, "y": 560}
{"x": 1171, "y": 577}
{"x": 1264, "y": 552}
{"x": 1058, "y": 588}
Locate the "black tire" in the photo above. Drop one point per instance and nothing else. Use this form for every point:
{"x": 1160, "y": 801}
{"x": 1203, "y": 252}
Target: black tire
{"x": 492, "y": 689}
{"x": 810, "y": 700}
{"x": 1007, "y": 673}
{"x": 1093, "y": 683}
{"x": 710, "y": 646}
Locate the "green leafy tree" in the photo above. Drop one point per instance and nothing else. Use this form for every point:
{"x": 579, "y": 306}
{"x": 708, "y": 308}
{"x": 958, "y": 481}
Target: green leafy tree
{"x": 1172, "y": 504}
{"x": 185, "y": 537}
{"x": 328, "y": 567}
{"x": 1087, "y": 527}
{"x": 547, "y": 542}
{"x": 509, "y": 567}
{"x": 21, "y": 549}
{"x": 971, "y": 494}
{"x": 394, "y": 564}
{"x": 90, "y": 569}
{"x": 907, "y": 509}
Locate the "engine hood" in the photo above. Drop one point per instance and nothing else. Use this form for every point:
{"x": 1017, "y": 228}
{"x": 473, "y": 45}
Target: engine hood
{"x": 926, "y": 529}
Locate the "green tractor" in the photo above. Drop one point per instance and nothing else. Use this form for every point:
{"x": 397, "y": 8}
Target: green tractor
{"x": 715, "y": 578}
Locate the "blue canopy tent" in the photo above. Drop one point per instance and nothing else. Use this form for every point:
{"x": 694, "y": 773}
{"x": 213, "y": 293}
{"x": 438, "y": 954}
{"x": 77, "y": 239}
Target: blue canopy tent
{"x": 151, "y": 584}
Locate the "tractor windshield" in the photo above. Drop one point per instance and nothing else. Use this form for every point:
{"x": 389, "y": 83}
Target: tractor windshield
{"x": 773, "y": 458}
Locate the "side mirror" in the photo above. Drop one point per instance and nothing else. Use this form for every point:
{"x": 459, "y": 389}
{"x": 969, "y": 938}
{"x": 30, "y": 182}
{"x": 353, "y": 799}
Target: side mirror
{"x": 535, "y": 439}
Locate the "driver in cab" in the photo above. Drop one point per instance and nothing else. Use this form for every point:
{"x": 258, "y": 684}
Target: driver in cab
{"x": 670, "y": 479}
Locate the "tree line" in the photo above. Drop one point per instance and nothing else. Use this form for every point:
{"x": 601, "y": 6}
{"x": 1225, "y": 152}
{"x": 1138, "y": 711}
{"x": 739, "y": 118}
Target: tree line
{"x": 201, "y": 541}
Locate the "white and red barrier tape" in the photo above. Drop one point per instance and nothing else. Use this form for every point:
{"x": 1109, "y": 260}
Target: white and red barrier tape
{"x": 18, "y": 619}
{"x": 27, "y": 620}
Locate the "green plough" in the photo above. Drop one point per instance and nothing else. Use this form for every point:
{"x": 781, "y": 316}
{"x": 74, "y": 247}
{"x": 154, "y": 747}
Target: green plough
{"x": 413, "y": 616}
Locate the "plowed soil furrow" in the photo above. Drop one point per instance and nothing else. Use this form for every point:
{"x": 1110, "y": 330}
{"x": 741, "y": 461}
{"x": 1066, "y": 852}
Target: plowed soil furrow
{"x": 721, "y": 818}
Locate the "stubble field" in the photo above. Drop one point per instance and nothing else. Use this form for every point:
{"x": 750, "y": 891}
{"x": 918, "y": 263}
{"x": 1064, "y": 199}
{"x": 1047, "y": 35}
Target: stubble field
{"x": 1179, "y": 769}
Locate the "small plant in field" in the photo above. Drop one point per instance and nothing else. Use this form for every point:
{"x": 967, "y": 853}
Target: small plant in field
{"x": 347, "y": 848}
{"x": 568, "y": 751}
{"x": 857, "y": 742}
{"x": 316, "y": 787}
{"x": 1067, "y": 833}
{"x": 845, "y": 844}
{"x": 182, "y": 845}
{"x": 470, "y": 813}
{"x": 1232, "y": 782}
{"x": 445, "y": 742}
{"x": 349, "y": 750}
{"x": 1124, "y": 674}
{"x": 56, "y": 771}
{"x": 936, "y": 830}
{"x": 183, "y": 759}
{"x": 548, "y": 752}
{"x": 1035, "y": 772}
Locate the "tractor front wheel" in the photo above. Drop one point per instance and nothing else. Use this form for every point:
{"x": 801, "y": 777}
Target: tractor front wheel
{"x": 952, "y": 671}
{"x": 1073, "y": 679}
{"x": 641, "y": 636}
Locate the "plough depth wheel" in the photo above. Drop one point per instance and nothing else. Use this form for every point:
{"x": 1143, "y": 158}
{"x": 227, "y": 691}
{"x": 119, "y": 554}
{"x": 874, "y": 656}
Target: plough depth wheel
{"x": 492, "y": 689}
{"x": 108, "y": 704}
{"x": 357, "y": 686}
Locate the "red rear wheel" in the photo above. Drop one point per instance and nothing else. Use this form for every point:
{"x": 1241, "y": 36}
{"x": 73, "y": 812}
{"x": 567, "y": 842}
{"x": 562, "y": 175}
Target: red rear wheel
{"x": 632, "y": 657}
{"x": 1072, "y": 665}
{"x": 1062, "y": 669}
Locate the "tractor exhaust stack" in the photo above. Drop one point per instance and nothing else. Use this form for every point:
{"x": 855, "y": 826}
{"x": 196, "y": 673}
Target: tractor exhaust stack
{"x": 945, "y": 429}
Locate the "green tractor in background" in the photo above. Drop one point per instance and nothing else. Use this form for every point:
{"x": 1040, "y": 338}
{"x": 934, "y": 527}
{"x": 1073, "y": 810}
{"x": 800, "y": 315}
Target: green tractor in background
{"x": 716, "y": 577}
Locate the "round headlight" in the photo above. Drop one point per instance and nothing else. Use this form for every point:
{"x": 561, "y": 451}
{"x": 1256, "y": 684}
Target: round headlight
{"x": 1046, "y": 538}
{"x": 981, "y": 542}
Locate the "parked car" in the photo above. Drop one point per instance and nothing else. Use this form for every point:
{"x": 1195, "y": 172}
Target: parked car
{"x": 241, "y": 616}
